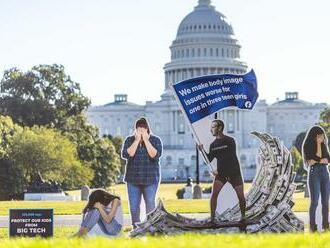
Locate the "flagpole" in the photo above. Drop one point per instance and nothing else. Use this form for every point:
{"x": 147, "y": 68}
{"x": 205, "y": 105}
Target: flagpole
{"x": 191, "y": 127}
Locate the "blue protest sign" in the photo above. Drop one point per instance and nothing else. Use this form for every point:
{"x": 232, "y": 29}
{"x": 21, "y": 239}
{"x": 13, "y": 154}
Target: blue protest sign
{"x": 206, "y": 95}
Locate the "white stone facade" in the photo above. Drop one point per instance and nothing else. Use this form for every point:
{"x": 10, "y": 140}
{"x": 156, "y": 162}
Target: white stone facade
{"x": 205, "y": 44}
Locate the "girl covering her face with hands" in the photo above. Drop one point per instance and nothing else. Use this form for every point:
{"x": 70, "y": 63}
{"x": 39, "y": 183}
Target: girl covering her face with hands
{"x": 316, "y": 157}
{"x": 142, "y": 151}
{"x": 102, "y": 215}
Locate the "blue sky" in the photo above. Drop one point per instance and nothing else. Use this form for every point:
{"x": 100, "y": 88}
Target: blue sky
{"x": 121, "y": 46}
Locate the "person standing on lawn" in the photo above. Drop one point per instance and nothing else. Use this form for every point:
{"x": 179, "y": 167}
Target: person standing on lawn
{"x": 223, "y": 148}
{"x": 142, "y": 151}
{"x": 316, "y": 157}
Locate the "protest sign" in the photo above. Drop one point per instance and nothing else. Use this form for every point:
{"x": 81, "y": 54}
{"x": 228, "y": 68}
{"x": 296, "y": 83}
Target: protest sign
{"x": 200, "y": 98}
{"x": 31, "y": 222}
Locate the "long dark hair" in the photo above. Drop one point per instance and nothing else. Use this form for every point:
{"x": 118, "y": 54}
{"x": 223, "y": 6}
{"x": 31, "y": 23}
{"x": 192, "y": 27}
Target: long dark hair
{"x": 101, "y": 196}
{"x": 310, "y": 141}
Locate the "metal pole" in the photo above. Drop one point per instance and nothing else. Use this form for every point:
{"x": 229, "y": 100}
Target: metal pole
{"x": 197, "y": 164}
{"x": 191, "y": 126}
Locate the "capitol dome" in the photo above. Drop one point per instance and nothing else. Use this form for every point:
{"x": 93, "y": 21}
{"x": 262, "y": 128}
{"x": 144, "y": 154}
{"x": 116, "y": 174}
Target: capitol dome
{"x": 205, "y": 44}
{"x": 204, "y": 19}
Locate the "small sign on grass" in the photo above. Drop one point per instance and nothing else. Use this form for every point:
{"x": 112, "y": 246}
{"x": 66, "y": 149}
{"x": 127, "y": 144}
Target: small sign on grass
{"x": 31, "y": 222}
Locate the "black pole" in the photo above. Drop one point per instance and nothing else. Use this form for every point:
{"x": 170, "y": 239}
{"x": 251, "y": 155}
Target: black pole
{"x": 197, "y": 165}
{"x": 197, "y": 156}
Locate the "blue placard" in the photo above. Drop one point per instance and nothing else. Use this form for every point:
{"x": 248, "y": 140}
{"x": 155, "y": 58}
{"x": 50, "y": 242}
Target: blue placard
{"x": 206, "y": 95}
{"x": 31, "y": 222}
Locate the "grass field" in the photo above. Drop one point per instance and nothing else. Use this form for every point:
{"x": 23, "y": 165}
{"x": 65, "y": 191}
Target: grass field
{"x": 59, "y": 232}
{"x": 179, "y": 206}
{"x": 167, "y": 193}
{"x": 187, "y": 240}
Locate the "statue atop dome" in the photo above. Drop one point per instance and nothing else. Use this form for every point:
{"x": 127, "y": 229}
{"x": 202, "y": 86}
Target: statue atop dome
{"x": 204, "y": 2}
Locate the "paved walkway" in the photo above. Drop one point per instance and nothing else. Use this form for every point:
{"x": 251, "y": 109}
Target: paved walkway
{"x": 75, "y": 220}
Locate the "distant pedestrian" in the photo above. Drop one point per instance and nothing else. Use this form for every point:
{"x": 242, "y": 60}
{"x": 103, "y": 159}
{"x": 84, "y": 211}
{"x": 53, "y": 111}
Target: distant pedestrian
{"x": 316, "y": 157}
{"x": 142, "y": 151}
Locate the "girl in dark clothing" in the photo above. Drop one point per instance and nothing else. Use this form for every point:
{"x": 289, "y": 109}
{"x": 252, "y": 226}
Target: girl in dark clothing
{"x": 316, "y": 157}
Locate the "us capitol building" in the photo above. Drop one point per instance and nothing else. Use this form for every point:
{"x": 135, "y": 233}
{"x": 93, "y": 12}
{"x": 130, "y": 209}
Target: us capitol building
{"x": 205, "y": 44}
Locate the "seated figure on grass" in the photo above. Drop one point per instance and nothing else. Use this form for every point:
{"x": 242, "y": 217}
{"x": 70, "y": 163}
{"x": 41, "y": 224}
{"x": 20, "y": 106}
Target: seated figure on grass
{"x": 102, "y": 215}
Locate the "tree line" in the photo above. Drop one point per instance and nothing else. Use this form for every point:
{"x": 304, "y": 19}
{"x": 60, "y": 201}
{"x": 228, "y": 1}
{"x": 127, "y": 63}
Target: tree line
{"x": 43, "y": 129}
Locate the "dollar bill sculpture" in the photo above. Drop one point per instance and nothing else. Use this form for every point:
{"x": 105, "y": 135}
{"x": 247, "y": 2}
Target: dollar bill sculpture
{"x": 268, "y": 203}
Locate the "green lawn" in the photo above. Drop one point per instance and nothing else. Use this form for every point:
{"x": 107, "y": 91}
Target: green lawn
{"x": 59, "y": 232}
{"x": 167, "y": 193}
{"x": 179, "y": 206}
{"x": 187, "y": 240}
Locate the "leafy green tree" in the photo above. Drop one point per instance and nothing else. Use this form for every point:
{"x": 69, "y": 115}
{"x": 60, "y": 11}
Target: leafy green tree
{"x": 44, "y": 95}
{"x": 99, "y": 153}
{"x": 118, "y": 142}
{"x": 325, "y": 121}
{"x": 107, "y": 164}
{"x": 297, "y": 162}
{"x": 7, "y": 129}
{"x": 48, "y": 152}
{"x": 11, "y": 183}
{"x": 299, "y": 141}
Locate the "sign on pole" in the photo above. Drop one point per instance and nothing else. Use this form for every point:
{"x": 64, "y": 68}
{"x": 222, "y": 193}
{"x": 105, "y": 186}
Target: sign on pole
{"x": 200, "y": 98}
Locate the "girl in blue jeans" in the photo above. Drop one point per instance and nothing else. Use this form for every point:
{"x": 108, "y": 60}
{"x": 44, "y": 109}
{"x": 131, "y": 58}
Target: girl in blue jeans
{"x": 316, "y": 157}
{"x": 142, "y": 151}
{"x": 102, "y": 213}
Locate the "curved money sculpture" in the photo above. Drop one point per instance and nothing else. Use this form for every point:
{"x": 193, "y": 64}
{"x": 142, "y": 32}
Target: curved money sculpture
{"x": 268, "y": 203}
